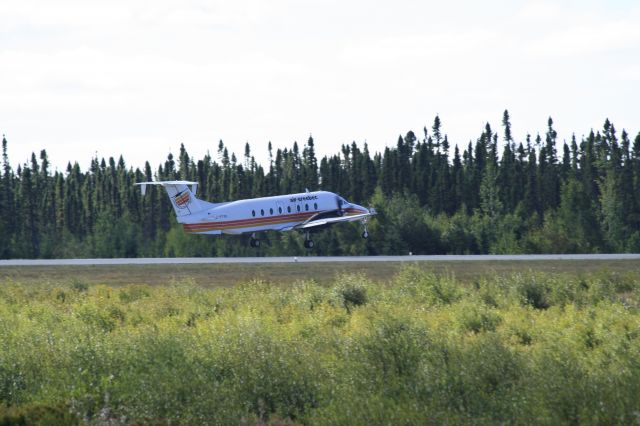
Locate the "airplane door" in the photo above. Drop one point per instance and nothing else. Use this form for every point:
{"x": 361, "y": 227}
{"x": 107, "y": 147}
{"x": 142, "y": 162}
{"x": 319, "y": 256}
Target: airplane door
{"x": 340, "y": 203}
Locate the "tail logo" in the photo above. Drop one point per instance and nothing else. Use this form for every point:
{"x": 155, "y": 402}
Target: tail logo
{"x": 182, "y": 200}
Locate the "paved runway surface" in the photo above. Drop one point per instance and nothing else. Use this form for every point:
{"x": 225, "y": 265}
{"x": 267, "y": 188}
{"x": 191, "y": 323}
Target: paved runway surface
{"x": 302, "y": 259}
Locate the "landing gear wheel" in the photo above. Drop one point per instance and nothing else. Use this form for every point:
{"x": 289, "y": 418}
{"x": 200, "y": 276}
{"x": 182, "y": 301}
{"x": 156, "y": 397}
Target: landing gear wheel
{"x": 365, "y": 234}
{"x": 308, "y": 244}
{"x": 254, "y": 242}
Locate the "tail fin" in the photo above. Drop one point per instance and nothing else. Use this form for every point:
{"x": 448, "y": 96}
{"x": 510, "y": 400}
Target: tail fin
{"x": 182, "y": 197}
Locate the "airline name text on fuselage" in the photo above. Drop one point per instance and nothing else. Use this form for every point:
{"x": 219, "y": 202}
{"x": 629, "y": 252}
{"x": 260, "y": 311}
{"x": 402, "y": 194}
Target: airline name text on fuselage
{"x": 307, "y": 198}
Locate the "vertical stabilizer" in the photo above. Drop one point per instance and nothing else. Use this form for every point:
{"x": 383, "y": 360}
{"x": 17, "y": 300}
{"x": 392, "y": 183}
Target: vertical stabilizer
{"x": 182, "y": 195}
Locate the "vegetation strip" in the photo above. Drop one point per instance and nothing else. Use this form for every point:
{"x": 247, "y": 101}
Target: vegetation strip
{"x": 214, "y": 275}
{"x": 419, "y": 348}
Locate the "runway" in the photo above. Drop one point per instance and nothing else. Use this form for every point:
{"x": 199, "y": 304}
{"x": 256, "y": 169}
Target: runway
{"x": 315, "y": 259}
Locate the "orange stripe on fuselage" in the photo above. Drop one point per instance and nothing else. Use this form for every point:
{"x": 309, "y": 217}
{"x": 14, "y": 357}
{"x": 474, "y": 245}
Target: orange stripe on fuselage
{"x": 228, "y": 223}
{"x": 247, "y": 223}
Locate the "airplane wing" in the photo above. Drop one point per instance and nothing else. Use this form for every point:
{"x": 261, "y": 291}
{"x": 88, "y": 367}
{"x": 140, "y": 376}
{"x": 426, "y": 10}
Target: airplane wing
{"x": 330, "y": 220}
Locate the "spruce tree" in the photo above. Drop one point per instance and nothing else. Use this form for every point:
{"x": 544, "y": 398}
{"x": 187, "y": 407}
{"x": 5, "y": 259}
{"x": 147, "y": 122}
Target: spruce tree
{"x": 7, "y": 209}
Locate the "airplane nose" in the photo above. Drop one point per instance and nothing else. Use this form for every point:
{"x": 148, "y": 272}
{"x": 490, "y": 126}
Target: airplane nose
{"x": 359, "y": 209}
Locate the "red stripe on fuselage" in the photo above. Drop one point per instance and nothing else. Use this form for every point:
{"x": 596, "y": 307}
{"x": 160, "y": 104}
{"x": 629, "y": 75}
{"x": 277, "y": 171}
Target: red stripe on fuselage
{"x": 260, "y": 221}
{"x": 288, "y": 217}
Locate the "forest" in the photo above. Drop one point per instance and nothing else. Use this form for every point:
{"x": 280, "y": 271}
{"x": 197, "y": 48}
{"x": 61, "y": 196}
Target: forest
{"x": 497, "y": 194}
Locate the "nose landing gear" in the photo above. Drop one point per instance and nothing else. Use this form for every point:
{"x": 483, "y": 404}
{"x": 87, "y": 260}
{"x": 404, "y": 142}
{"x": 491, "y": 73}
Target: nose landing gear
{"x": 365, "y": 232}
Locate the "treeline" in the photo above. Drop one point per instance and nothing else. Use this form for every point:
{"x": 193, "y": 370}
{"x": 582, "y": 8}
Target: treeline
{"x": 498, "y": 195}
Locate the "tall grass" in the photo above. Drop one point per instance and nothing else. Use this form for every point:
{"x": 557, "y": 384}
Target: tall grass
{"x": 423, "y": 348}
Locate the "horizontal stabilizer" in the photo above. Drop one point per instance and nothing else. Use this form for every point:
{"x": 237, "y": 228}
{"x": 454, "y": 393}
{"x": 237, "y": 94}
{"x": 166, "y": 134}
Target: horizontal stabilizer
{"x": 143, "y": 185}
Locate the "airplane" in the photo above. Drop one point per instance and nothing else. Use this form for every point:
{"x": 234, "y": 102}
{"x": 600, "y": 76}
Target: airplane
{"x": 305, "y": 212}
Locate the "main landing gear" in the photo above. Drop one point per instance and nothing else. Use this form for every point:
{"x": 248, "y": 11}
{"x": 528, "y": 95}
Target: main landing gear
{"x": 365, "y": 233}
{"x": 308, "y": 242}
{"x": 254, "y": 241}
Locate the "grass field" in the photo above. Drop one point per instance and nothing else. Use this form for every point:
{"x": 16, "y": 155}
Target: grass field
{"x": 463, "y": 343}
{"x": 213, "y": 275}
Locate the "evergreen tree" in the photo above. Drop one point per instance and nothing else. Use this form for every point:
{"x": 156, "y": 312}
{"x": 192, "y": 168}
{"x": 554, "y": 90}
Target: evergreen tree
{"x": 28, "y": 241}
{"x": 7, "y": 203}
{"x": 531, "y": 201}
{"x": 506, "y": 123}
{"x": 490, "y": 203}
{"x": 548, "y": 163}
{"x": 309, "y": 166}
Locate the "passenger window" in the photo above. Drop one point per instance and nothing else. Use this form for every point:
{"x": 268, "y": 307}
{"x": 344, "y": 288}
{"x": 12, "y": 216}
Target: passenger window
{"x": 306, "y": 207}
{"x": 253, "y": 213}
{"x": 262, "y": 212}
{"x": 298, "y": 206}
{"x": 315, "y": 206}
{"x": 270, "y": 211}
{"x": 280, "y": 210}
{"x": 289, "y": 209}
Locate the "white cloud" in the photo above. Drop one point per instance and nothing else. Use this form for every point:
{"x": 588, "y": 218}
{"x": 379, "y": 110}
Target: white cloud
{"x": 137, "y": 77}
{"x": 589, "y": 39}
{"x": 540, "y": 11}
{"x": 407, "y": 49}
{"x": 38, "y": 15}
{"x": 630, "y": 73}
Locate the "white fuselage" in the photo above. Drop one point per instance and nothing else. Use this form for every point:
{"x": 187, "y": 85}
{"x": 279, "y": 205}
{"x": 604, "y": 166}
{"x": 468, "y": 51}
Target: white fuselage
{"x": 277, "y": 213}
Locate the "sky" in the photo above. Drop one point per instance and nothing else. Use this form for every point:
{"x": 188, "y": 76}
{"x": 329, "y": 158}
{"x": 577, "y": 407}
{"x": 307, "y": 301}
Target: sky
{"x": 137, "y": 78}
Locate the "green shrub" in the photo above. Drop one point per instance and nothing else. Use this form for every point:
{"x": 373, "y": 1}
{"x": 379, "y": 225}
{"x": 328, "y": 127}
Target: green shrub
{"x": 482, "y": 381}
{"x": 350, "y": 292}
{"x": 477, "y": 318}
{"x": 428, "y": 287}
{"x": 365, "y": 409}
{"x": 395, "y": 348}
{"x": 270, "y": 376}
{"x": 97, "y": 317}
{"x": 133, "y": 292}
{"x": 533, "y": 290}
{"x": 79, "y": 286}
{"x": 37, "y": 414}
